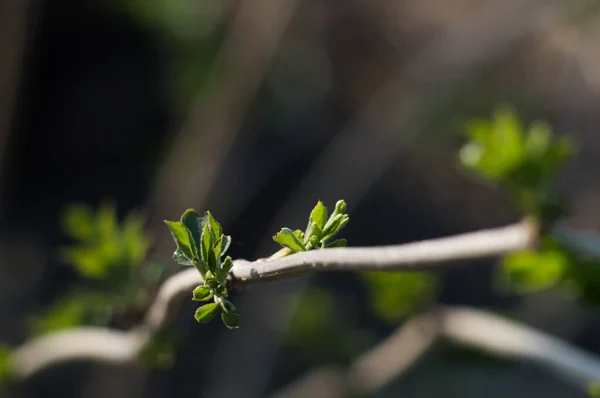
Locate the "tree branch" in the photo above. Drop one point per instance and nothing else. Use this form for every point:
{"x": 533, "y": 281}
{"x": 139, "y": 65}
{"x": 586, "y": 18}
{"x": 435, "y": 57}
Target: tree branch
{"x": 121, "y": 347}
{"x": 405, "y": 257}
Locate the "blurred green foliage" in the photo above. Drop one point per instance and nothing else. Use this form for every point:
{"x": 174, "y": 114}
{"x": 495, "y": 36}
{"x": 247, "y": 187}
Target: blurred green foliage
{"x": 105, "y": 249}
{"x": 321, "y": 330}
{"x": 526, "y": 163}
{"x": 4, "y": 363}
{"x": 529, "y": 271}
{"x": 594, "y": 389}
{"x": 110, "y": 257}
{"x": 394, "y": 295}
{"x": 160, "y": 352}
{"x": 523, "y": 160}
{"x": 73, "y": 309}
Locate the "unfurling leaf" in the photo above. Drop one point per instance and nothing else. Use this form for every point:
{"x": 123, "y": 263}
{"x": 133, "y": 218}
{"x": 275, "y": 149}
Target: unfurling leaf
{"x": 230, "y": 319}
{"x": 225, "y": 243}
{"x": 215, "y": 227}
{"x": 207, "y": 312}
{"x": 207, "y": 242}
{"x": 287, "y": 238}
{"x": 227, "y": 306}
{"x": 340, "y": 207}
{"x": 225, "y": 269}
{"x": 183, "y": 238}
{"x": 319, "y": 215}
{"x": 180, "y": 258}
{"x": 313, "y": 230}
{"x": 202, "y": 293}
{"x": 194, "y": 223}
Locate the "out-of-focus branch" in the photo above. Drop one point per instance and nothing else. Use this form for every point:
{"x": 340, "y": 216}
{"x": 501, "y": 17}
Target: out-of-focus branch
{"x": 15, "y": 22}
{"x": 478, "y": 329}
{"x": 506, "y": 338}
{"x": 120, "y": 347}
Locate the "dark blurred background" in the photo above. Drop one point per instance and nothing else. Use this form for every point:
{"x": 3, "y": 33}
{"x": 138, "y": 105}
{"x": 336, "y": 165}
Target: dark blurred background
{"x": 256, "y": 110}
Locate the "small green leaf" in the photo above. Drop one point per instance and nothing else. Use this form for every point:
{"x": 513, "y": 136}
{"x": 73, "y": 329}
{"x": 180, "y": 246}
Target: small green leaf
{"x": 207, "y": 312}
{"x": 319, "y": 215}
{"x": 287, "y": 238}
{"x": 207, "y": 243}
{"x": 223, "y": 272}
{"x": 299, "y": 234}
{"x": 337, "y": 224}
{"x": 343, "y": 223}
{"x": 227, "y": 306}
{"x": 212, "y": 261}
{"x": 227, "y": 265}
{"x": 180, "y": 258}
{"x": 183, "y": 238}
{"x": 202, "y": 293}
{"x": 314, "y": 242}
{"x": 214, "y": 226}
{"x": 313, "y": 230}
{"x": 337, "y": 243}
{"x": 194, "y": 223}
{"x": 340, "y": 207}
{"x": 230, "y": 319}
{"x": 225, "y": 243}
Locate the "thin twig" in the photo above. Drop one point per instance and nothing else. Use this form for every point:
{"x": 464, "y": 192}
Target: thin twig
{"x": 17, "y": 19}
{"x": 121, "y": 347}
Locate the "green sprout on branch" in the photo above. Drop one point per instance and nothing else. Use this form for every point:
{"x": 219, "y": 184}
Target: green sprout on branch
{"x": 201, "y": 243}
{"x": 319, "y": 231}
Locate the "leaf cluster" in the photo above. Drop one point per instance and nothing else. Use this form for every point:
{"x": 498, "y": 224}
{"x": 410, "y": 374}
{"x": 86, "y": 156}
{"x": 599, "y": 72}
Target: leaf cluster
{"x": 201, "y": 243}
{"x": 522, "y": 160}
{"x": 320, "y": 230}
{"x": 109, "y": 255}
{"x": 104, "y": 247}
{"x": 526, "y": 162}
